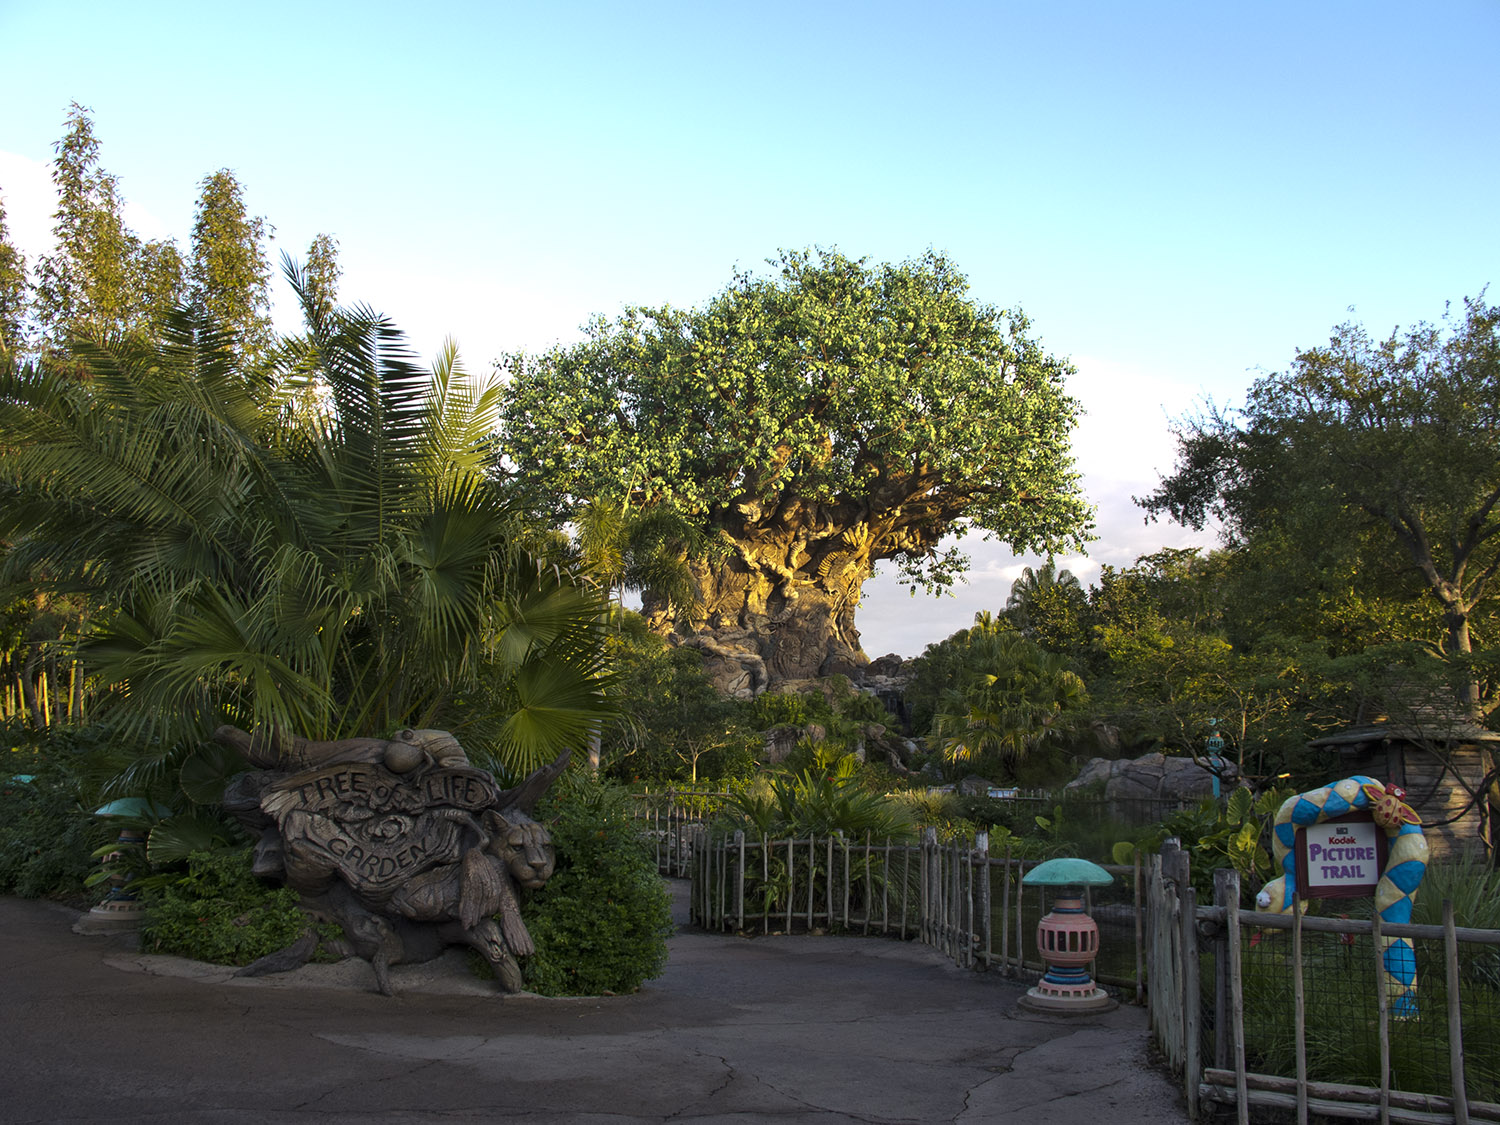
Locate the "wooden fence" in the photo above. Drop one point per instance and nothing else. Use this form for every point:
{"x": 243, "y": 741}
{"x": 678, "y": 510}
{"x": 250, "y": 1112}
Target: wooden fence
{"x": 953, "y": 896}
{"x": 1210, "y": 1032}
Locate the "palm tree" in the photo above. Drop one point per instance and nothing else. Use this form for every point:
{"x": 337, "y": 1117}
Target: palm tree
{"x": 1033, "y": 585}
{"x": 1012, "y": 698}
{"x": 341, "y": 570}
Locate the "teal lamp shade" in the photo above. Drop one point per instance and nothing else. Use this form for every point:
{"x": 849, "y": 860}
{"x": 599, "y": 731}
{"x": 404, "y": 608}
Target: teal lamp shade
{"x": 134, "y": 806}
{"x": 1067, "y": 872}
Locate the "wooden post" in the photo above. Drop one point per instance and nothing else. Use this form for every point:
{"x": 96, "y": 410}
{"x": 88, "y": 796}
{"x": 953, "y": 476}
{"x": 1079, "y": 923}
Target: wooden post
{"x": 1020, "y": 910}
{"x": 1236, "y": 994}
{"x": 1223, "y": 1036}
{"x": 828, "y": 894}
{"x": 844, "y": 846}
{"x": 1140, "y": 943}
{"x": 739, "y": 882}
{"x": 1299, "y": 1008}
{"x": 1455, "y": 1019}
{"x": 791, "y": 881}
{"x": 1382, "y": 1005}
{"x": 905, "y": 886}
{"x": 1005, "y": 915}
{"x": 982, "y": 906}
{"x": 765, "y": 875}
{"x": 1191, "y": 1001}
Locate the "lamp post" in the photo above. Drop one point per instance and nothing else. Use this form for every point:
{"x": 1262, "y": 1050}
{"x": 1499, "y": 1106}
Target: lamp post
{"x": 121, "y": 909}
{"x": 1213, "y": 744}
{"x": 1068, "y": 939}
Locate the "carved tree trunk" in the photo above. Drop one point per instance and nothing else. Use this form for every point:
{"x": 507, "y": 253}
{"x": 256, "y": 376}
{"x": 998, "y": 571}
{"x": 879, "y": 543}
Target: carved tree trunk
{"x": 787, "y": 594}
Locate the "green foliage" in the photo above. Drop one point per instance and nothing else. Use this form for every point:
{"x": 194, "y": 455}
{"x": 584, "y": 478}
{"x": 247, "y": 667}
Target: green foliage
{"x": 101, "y": 281}
{"x": 1380, "y": 454}
{"x": 835, "y": 383}
{"x": 338, "y": 574}
{"x": 47, "y": 833}
{"x": 14, "y": 300}
{"x": 219, "y": 912}
{"x": 601, "y": 922}
{"x": 229, "y": 273}
{"x": 994, "y": 697}
{"x": 674, "y": 725}
{"x": 1341, "y": 1020}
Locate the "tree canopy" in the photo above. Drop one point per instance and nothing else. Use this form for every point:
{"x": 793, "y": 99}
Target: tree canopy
{"x": 1385, "y": 449}
{"x": 812, "y": 423}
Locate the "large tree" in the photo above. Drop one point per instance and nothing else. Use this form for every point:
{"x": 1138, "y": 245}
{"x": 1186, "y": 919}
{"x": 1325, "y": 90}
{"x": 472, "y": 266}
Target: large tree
{"x": 344, "y": 572}
{"x": 13, "y": 295}
{"x": 102, "y": 280}
{"x": 1390, "y": 447}
{"x": 813, "y": 424}
{"x": 229, "y": 272}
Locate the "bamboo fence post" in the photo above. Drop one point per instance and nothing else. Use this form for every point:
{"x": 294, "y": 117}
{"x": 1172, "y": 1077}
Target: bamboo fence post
{"x": 905, "y": 885}
{"x": 869, "y": 883}
{"x": 726, "y": 894}
{"x": 828, "y": 891}
{"x": 1455, "y": 1019}
{"x": 812, "y": 876}
{"x": 1223, "y": 1037}
{"x": 844, "y": 846}
{"x": 791, "y": 881}
{"x": 765, "y": 874}
{"x": 982, "y": 918}
{"x": 1299, "y": 1001}
{"x": 1020, "y": 911}
{"x": 1140, "y": 922}
{"x": 885, "y": 887}
{"x": 955, "y": 902}
{"x": 924, "y": 891}
{"x": 739, "y": 882}
{"x": 1191, "y": 1000}
{"x": 1236, "y": 994}
{"x": 1384, "y": 1020}
{"x": 1005, "y": 914}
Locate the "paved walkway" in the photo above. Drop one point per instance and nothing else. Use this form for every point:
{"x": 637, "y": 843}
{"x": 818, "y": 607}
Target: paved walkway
{"x": 791, "y": 1029}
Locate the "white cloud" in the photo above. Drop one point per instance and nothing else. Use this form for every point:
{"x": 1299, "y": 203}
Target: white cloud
{"x": 26, "y": 189}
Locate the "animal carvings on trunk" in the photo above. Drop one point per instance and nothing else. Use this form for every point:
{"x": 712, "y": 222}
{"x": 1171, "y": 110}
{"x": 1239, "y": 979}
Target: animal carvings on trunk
{"x": 400, "y": 841}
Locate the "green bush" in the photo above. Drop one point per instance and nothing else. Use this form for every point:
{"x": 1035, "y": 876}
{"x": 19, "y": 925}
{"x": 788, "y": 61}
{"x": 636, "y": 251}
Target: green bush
{"x": 601, "y": 922}
{"x": 221, "y": 913}
{"x": 47, "y": 835}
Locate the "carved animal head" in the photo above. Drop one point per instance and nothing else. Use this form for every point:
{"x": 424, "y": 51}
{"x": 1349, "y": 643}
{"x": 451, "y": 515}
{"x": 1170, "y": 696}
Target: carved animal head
{"x": 523, "y": 845}
{"x": 1389, "y": 808}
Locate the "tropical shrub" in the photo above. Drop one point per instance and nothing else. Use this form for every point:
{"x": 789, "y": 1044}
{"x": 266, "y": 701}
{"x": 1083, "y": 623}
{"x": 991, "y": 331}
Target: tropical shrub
{"x": 221, "y": 913}
{"x": 47, "y": 832}
{"x": 601, "y": 922}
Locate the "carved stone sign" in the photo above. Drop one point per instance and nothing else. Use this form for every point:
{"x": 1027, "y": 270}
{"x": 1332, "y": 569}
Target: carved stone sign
{"x": 402, "y": 842}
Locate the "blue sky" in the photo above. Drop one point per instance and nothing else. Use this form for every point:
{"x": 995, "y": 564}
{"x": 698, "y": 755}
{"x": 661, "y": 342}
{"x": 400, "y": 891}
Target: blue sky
{"x": 1179, "y": 195}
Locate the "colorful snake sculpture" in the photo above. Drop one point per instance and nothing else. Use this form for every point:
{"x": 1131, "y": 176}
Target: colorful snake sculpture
{"x": 1395, "y": 894}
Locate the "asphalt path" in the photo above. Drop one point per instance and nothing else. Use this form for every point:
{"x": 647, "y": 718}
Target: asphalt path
{"x": 769, "y": 1029}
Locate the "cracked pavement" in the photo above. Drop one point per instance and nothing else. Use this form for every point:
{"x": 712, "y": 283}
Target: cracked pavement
{"x": 773, "y": 1029}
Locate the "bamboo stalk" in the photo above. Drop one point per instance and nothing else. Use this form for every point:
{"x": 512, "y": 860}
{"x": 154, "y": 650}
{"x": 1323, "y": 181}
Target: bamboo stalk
{"x": 1455, "y": 1019}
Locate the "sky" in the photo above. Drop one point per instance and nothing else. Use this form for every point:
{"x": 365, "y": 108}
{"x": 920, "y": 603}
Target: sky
{"x": 1179, "y": 195}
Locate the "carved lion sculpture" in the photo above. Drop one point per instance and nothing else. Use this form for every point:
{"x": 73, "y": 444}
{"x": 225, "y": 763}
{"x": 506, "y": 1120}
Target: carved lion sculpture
{"x": 401, "y": 842}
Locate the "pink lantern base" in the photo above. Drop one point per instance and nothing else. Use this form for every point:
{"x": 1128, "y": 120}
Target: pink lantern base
{"x": 1068, "y": 940}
